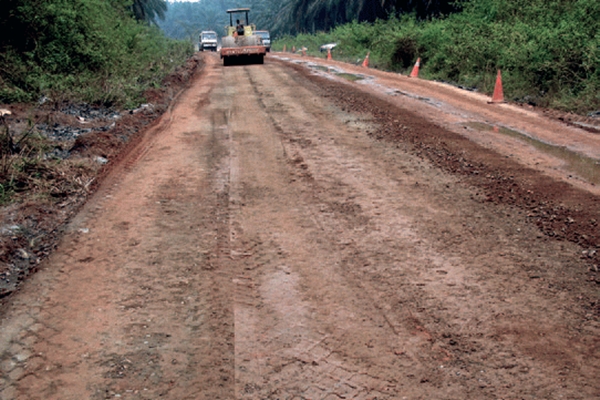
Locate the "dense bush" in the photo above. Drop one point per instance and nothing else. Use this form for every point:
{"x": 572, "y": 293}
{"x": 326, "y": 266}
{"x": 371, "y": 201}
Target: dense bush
{"x": 88, "y": 50}
{"x": 548, "y": 50}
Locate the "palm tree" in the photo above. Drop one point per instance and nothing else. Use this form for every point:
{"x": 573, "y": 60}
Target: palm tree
{"x": 148, "y": 10}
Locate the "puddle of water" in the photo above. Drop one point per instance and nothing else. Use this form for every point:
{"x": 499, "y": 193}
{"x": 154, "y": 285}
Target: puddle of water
{"x": 320, "y": 67}
{"x": 396, "y": 92}
{"x": 586, "y": 167}
{"x": 350, "y": 77}
{"x": 345, "y": 75}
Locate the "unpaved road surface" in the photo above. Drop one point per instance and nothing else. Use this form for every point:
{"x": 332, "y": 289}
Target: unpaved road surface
{"x": 284, "y": 235}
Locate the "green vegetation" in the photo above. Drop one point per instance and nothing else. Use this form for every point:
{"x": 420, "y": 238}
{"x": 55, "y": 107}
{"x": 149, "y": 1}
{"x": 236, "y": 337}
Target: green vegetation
{"x": 548, "y": 50}
{"x": 97, "y": 51}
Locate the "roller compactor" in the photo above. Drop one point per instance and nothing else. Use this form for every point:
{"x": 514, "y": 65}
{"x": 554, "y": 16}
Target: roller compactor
{"x": 241, "y": 45}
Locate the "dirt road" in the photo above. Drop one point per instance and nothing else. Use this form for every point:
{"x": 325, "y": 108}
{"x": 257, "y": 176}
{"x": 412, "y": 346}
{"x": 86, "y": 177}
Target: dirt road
{"x": 267, "y": 240}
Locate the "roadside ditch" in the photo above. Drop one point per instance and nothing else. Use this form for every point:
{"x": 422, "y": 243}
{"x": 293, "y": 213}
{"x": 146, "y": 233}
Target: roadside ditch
{"x": 54, "y": 157}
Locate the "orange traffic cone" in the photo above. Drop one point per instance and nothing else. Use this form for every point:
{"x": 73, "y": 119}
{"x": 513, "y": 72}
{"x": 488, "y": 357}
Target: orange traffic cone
{"x": 293, "y": 49}
{"x": 284, "y": 48}
{"x": 366, "y": 62}
{"x": 498, "y": 96}
{"x": 415, "y": 70}
{"x": 329, "y": 58}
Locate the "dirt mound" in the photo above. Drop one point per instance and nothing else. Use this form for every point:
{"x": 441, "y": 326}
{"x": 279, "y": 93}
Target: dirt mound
{"x": 590, "y": 122}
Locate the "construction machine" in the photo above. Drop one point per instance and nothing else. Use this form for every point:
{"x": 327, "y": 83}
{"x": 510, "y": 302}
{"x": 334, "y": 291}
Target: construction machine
{"x": 241, "y": 45}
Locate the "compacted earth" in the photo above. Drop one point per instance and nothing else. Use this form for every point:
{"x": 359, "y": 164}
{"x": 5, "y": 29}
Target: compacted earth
{"x": 306, "y": 229}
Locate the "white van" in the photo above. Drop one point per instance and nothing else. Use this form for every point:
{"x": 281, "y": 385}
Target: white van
{"x": 208, "y": 41}
{"x": 265, "y": 37}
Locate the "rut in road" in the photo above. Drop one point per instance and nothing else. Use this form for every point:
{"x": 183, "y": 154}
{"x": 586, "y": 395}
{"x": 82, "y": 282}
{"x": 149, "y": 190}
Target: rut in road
{"x": 265, "y": 247}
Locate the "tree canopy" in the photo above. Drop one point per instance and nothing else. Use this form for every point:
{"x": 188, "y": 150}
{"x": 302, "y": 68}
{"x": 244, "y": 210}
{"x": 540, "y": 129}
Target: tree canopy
{"x": 149, "y": 10}
{"x": 95, "y": 47}
{"x": 185, "y": 19}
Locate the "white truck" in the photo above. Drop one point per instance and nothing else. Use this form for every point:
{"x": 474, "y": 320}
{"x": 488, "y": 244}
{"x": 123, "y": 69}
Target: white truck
{"x": 208, "y": 41}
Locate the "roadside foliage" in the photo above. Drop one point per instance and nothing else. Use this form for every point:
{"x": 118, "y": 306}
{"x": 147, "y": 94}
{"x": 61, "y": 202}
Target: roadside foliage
{"x": 97, "y": 51}
{"x": 106, "y": 53}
